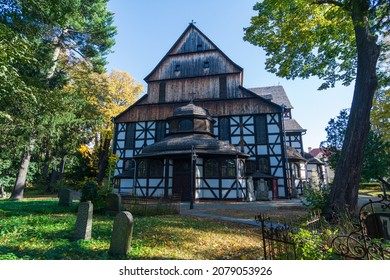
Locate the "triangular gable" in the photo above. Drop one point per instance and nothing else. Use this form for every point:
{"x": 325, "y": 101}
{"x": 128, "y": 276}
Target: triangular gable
{"x": 191, "y": 41}
{"x": 249, "y": 93}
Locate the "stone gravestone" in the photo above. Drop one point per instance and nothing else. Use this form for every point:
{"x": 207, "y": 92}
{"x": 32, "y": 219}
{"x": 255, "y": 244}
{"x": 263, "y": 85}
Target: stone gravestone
{"x": 251, "y": 190}
{"x": 121, "y": 234}
{"x": 262, "y": 191}
{"x": 65, "y": 197}
{"x": 84, "y": 221}
{"x": 378, "y": 225}
{"x": 113, "y": 204}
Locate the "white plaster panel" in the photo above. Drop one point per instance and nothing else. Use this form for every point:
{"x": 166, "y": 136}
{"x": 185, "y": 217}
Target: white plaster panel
{"x": 213, "y": 183}
{"x": 120, "y": 144}
{"x": 236, "y": 140}
{"x": 121, "y": 136}
{"x": 249, "y": 139}
{"x": 273, "y": 128}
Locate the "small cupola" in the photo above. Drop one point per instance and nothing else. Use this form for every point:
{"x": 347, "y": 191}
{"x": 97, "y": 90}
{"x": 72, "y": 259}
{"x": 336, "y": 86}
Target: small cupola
{"x": 190, "y": 119}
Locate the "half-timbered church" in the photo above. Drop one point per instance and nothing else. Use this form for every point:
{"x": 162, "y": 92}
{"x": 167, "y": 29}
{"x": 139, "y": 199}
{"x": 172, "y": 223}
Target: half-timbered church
{"x": 198, "y": 133}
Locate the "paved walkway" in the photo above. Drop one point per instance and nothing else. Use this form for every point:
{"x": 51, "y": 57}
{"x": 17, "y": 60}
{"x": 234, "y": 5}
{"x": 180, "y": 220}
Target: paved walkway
{"x": 203, "y": 209}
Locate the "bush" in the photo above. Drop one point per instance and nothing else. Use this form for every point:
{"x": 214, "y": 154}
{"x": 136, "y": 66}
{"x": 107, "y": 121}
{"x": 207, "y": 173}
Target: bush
{"x": 312, "y": 245}
{"x": 314, "y": 198}
{"x": 97, "y": 194}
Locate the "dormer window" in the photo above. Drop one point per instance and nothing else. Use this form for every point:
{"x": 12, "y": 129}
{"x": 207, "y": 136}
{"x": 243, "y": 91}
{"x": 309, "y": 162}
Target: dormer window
{"x": 177, "y": 68}
{"x": 206, "y": 65}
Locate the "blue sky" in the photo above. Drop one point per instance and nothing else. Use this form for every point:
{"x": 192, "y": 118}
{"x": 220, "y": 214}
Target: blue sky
{"x": 147, "y": 29}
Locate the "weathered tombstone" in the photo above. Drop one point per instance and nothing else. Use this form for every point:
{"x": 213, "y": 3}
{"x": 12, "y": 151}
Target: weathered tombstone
{"x": 65, "y": 197}
{"x": 76, "y": 195}
{"x": 262, "y": 191}
{"x": 251, "y": 190}
{"x": 121, "y": 234}
{"x": 113, "y": 204}
{"x": 84, "y": 221}
{"x": 378, "y": 225}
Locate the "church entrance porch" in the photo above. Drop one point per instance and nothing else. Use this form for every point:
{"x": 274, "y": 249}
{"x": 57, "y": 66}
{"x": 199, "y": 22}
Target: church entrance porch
{"x": 182, "y": 179}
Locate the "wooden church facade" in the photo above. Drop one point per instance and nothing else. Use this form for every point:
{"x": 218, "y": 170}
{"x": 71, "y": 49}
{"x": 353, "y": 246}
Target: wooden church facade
{"x": 198, "y": 132}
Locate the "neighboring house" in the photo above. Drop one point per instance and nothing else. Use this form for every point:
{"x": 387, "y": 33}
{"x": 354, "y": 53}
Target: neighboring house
{"x": 200, "y": 134}
{"x": 318, "y": 169}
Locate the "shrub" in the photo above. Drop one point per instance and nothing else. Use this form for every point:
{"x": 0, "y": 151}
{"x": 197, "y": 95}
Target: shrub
{"x": 314, "y": 198}
{"x": 97, "y": 194}
{"x": 312, "y": 245}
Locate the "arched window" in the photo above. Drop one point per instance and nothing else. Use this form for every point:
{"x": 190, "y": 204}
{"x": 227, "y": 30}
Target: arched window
{"x": 211, "y": 168}
{"x": 156, "y": 168}
{"x": 228, "y": 168}
{"x": 128, "y": 167}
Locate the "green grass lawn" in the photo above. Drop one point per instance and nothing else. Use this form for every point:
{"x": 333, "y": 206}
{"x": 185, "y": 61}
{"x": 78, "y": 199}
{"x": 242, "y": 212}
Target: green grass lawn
{"x": 371, "y": 191}
{"x": 40, "y": 229}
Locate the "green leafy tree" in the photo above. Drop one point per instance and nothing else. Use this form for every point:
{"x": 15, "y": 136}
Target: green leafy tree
{"x": 376, "y": 162}
{"x": 337, "y": 41}
{"x": 66, "y": 31}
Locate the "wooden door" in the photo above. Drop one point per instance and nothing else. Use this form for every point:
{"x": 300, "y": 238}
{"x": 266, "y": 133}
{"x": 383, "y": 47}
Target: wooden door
{"x": 182, "y": 178}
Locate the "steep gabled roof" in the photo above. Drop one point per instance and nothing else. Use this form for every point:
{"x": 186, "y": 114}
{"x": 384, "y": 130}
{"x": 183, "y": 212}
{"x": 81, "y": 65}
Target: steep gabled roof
{"x": 192, "y": 41}
{"x": 275, "y": 93}
{"x": 316, "y": 151}
{"x": 291, "y": 125}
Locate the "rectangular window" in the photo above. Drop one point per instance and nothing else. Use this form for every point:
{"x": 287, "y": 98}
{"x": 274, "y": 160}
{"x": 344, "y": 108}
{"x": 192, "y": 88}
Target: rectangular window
{"x": 160, "y": 131}
{"x": 130, "y": 136}
{"x": 161, "y": 93}
{"x": 228, "y": 168}
{"x": 222, "y": 87}
{"x": 211, "y": 168}
{"x": 261, "y": 129}
{"x": 224, "y": 129}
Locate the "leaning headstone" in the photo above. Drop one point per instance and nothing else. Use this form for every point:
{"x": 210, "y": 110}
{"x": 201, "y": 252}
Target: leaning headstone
{"x": 251, "y": 190}
{"x": 121, "y": 234}
{"x": 113, "y": 204}
{"x": 65, "y": 197}
{"x": 84, "y": 221}
{"x": 262, "y": 191}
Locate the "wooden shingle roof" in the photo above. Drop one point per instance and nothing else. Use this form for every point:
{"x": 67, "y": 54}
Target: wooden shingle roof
{"x": 274, "y": 93}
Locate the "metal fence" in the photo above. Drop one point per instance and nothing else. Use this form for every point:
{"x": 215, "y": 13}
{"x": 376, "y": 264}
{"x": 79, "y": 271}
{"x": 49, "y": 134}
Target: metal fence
{"x": 370, "y": 238}
{"x": 278, "y": 239}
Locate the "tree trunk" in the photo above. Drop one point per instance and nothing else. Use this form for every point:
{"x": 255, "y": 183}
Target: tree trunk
{"x": 20, "y": 184}
{"x": 53, "y": 179}
{"x": 344, "y": 193}
{"x": 103, "y": 158}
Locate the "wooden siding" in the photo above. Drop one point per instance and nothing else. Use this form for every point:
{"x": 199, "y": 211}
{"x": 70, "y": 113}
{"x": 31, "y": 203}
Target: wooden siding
{"x": 193, "y": 65}
{"x": 191, "y": 42}
{"x": 179, "y": 90}
{"x": 228, "y": 107}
